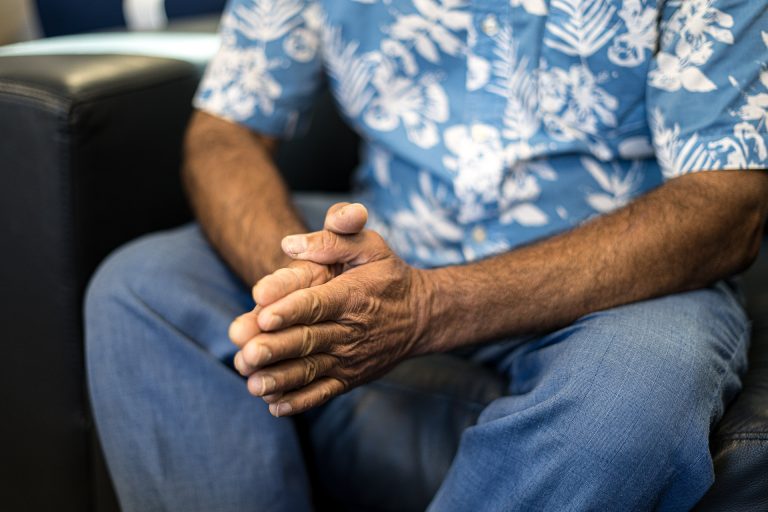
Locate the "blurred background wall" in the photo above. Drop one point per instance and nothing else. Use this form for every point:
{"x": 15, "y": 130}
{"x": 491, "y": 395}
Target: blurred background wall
{"x": 21, "y": 20}
{"x": 18, "y": 21}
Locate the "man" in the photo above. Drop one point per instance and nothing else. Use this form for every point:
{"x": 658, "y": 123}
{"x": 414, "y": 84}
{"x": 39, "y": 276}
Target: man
{"x": 530, "y": 198}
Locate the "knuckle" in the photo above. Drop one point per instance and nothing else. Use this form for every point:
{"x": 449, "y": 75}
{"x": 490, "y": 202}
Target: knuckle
{"x": 293, "y": 277}
{"x": 326, "y": 393}
{"x": 315, "y": 307}
{"x": 328, "y": 240}
{"x": 304, "y": 275}
{"x": 308, "y": 340}
{"x": 310, "y": 369}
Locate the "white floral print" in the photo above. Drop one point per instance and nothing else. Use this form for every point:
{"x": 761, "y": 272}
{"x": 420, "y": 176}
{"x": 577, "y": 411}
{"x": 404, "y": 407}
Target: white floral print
{"x": 432, "y": 29}
{"x": 477, "y": 161}
{"x": 240, "y": 80}
{"x": 424, "y": 226}
{"x": 481, "y": 136}
{"x": 573, "y": 104}
{"x": 303, "y": 42}
{"x": 696, "y": 26}
{"x": 419, "y": 105}
{"x": 631, "y": 48}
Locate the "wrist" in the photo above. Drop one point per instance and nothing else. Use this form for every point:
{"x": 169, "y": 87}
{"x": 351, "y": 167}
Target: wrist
{"x": 433, "y": 312}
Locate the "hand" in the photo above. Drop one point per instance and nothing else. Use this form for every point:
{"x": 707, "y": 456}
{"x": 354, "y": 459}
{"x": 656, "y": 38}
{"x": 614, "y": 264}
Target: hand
{"x": 317, "y": 342}
{"x": 341, "y": 218}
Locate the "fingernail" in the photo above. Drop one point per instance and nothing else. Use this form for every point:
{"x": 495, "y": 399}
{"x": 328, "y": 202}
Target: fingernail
{"x": 264, "y": 355}
{"x": 270, "y": 321}
{"x": 263, "y": 385}
{"x": 281, "y": 409}
{"x": 235, "y": 329}
{"x": 295, "y": 244}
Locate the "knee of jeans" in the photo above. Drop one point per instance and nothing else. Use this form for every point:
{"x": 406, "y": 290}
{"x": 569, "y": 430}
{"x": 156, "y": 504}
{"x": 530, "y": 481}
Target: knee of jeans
{"x": 128, "y": 274}
{"x": 663, "y": 381}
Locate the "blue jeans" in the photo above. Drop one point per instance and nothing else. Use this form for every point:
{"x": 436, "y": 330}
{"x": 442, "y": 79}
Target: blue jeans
{"x": 610, "y": 413}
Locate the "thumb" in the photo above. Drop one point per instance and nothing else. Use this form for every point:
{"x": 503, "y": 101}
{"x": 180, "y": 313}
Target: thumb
{"x": 346, "y": 218}
{"x": 328, "y": 248}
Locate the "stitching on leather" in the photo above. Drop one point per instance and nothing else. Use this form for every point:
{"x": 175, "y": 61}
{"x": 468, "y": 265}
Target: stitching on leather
{"x": 16, "y": 90}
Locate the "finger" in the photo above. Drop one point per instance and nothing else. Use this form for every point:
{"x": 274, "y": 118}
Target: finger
{"x": 272, "y": 398}
{"x": 290, "y": 343}
{"x": 346, "y": 218}
{"x": 244, "y": 327}
{"x": 306, "y": 307}
{"x": 297, "y": 275}
{"x": 289, "y": 375}
{"x": 328, "y": 248}
{"x": 303, "y": 399}
{"x": 331, "y": 211}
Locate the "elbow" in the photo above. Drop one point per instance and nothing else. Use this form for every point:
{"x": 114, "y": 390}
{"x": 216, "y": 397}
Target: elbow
{"x": 192, "y": 139}
{"x": 753, "y": 236}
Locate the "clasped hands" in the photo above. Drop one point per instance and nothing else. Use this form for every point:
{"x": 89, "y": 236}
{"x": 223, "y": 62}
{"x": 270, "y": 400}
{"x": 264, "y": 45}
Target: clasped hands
{"x": 342, "y": 313}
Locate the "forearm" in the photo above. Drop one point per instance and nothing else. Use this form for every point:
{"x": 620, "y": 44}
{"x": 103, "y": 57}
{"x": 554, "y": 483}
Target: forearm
{"x": 238, "y": 196}
{"x": 685, "y": 235}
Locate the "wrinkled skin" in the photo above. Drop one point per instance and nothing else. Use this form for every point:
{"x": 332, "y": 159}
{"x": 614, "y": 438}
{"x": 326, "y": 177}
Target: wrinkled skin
{"x": 346, "y": 310}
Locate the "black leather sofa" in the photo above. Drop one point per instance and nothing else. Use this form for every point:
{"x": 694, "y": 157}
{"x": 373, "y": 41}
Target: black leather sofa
{"x": 89, "y": 158}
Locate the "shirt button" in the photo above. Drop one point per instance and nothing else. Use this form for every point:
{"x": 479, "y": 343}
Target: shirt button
{"x": 490, "y": 25}
{"x": 478, "y": 234}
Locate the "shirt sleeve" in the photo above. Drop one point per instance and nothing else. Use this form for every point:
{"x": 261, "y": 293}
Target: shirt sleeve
{"x": 268, "y": 69}
{"x": 707, "y": 93}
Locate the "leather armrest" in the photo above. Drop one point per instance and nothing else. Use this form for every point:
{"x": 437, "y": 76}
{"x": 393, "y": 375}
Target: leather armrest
{"x": 89, "y": 158}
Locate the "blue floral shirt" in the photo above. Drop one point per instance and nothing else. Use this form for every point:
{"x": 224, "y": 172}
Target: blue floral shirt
{"x": 492, "y": 123}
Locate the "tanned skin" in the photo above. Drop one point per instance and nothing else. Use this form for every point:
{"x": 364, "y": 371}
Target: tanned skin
{"x": 347, "y": 308}
{"x": 238, "y": 196}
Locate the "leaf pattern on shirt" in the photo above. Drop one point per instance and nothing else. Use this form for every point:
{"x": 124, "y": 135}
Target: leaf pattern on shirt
{"x": 239, "y": 81}
{"x": 423, "y": 227}
{"x": 352, "y": 73}
{"x": 588, "y": 26}
{"x": 676, "y": 155}
{"x": 513, "y": 80}
{"x": 522, "y": 132}
{"x": 745, "y": 148}
{"x": 751, "y": 133}
{"x": 618, "y": 187}
{"x": 521, "y": 190}
{"x": 269, "y": 20}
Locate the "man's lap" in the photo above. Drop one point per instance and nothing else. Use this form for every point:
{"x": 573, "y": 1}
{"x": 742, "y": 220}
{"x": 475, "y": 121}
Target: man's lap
{"x": 630, "y": 391}
{"x": 642, "y": 360}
